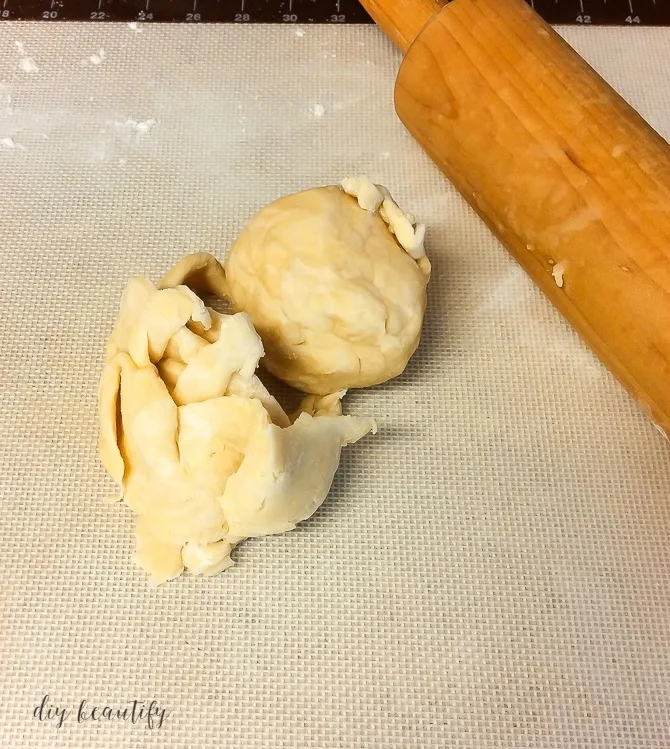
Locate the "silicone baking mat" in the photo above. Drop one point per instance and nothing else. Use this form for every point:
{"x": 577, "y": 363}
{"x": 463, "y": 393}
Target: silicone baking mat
{"x": 490, "y": 570}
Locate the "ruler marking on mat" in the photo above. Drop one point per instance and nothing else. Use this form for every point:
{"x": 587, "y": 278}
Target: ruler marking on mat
{"x": 594, "y": 12}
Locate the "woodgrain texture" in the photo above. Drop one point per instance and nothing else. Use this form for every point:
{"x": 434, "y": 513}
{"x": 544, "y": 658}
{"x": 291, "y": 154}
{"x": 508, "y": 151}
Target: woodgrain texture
{"x": 402, "y": 20}
{"x": 570, "y": 178}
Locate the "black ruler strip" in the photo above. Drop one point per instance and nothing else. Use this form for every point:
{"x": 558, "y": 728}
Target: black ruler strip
{"x": 612, "y": 12}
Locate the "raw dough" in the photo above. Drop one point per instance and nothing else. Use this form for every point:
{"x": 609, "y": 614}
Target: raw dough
{"x": 371, "y": 197}
{"x": 200, "y": 449}
{"x": 334, "y": 284}
{"x": 199, "y": 271}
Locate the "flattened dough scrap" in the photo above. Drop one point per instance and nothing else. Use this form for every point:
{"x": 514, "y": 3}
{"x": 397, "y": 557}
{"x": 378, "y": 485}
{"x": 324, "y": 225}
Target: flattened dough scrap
{"x": 202, "y": 452}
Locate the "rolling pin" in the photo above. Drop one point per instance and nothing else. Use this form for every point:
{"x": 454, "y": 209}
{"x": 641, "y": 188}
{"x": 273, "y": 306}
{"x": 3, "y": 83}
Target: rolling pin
{"x": 564, "y": 172}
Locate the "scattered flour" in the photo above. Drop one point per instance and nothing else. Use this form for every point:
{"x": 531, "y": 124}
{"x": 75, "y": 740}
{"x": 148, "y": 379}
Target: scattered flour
{"x": 98, "y": 58}
{"x": 6, "y": 102}
{"x": 27, "y": 64}
{"x": 11, "y": 144}
{"x": 135, "y": 126}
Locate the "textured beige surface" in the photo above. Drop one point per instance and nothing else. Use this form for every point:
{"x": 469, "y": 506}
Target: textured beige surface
{"x": 491, "y": 570}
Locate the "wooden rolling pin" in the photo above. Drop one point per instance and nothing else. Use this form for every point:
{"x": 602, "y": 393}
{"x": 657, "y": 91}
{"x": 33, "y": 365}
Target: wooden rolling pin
{"x": 569, "y": 177}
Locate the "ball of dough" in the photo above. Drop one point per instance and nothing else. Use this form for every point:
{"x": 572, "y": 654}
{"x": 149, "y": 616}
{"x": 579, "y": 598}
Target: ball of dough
{"x": 336, "y": 299}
